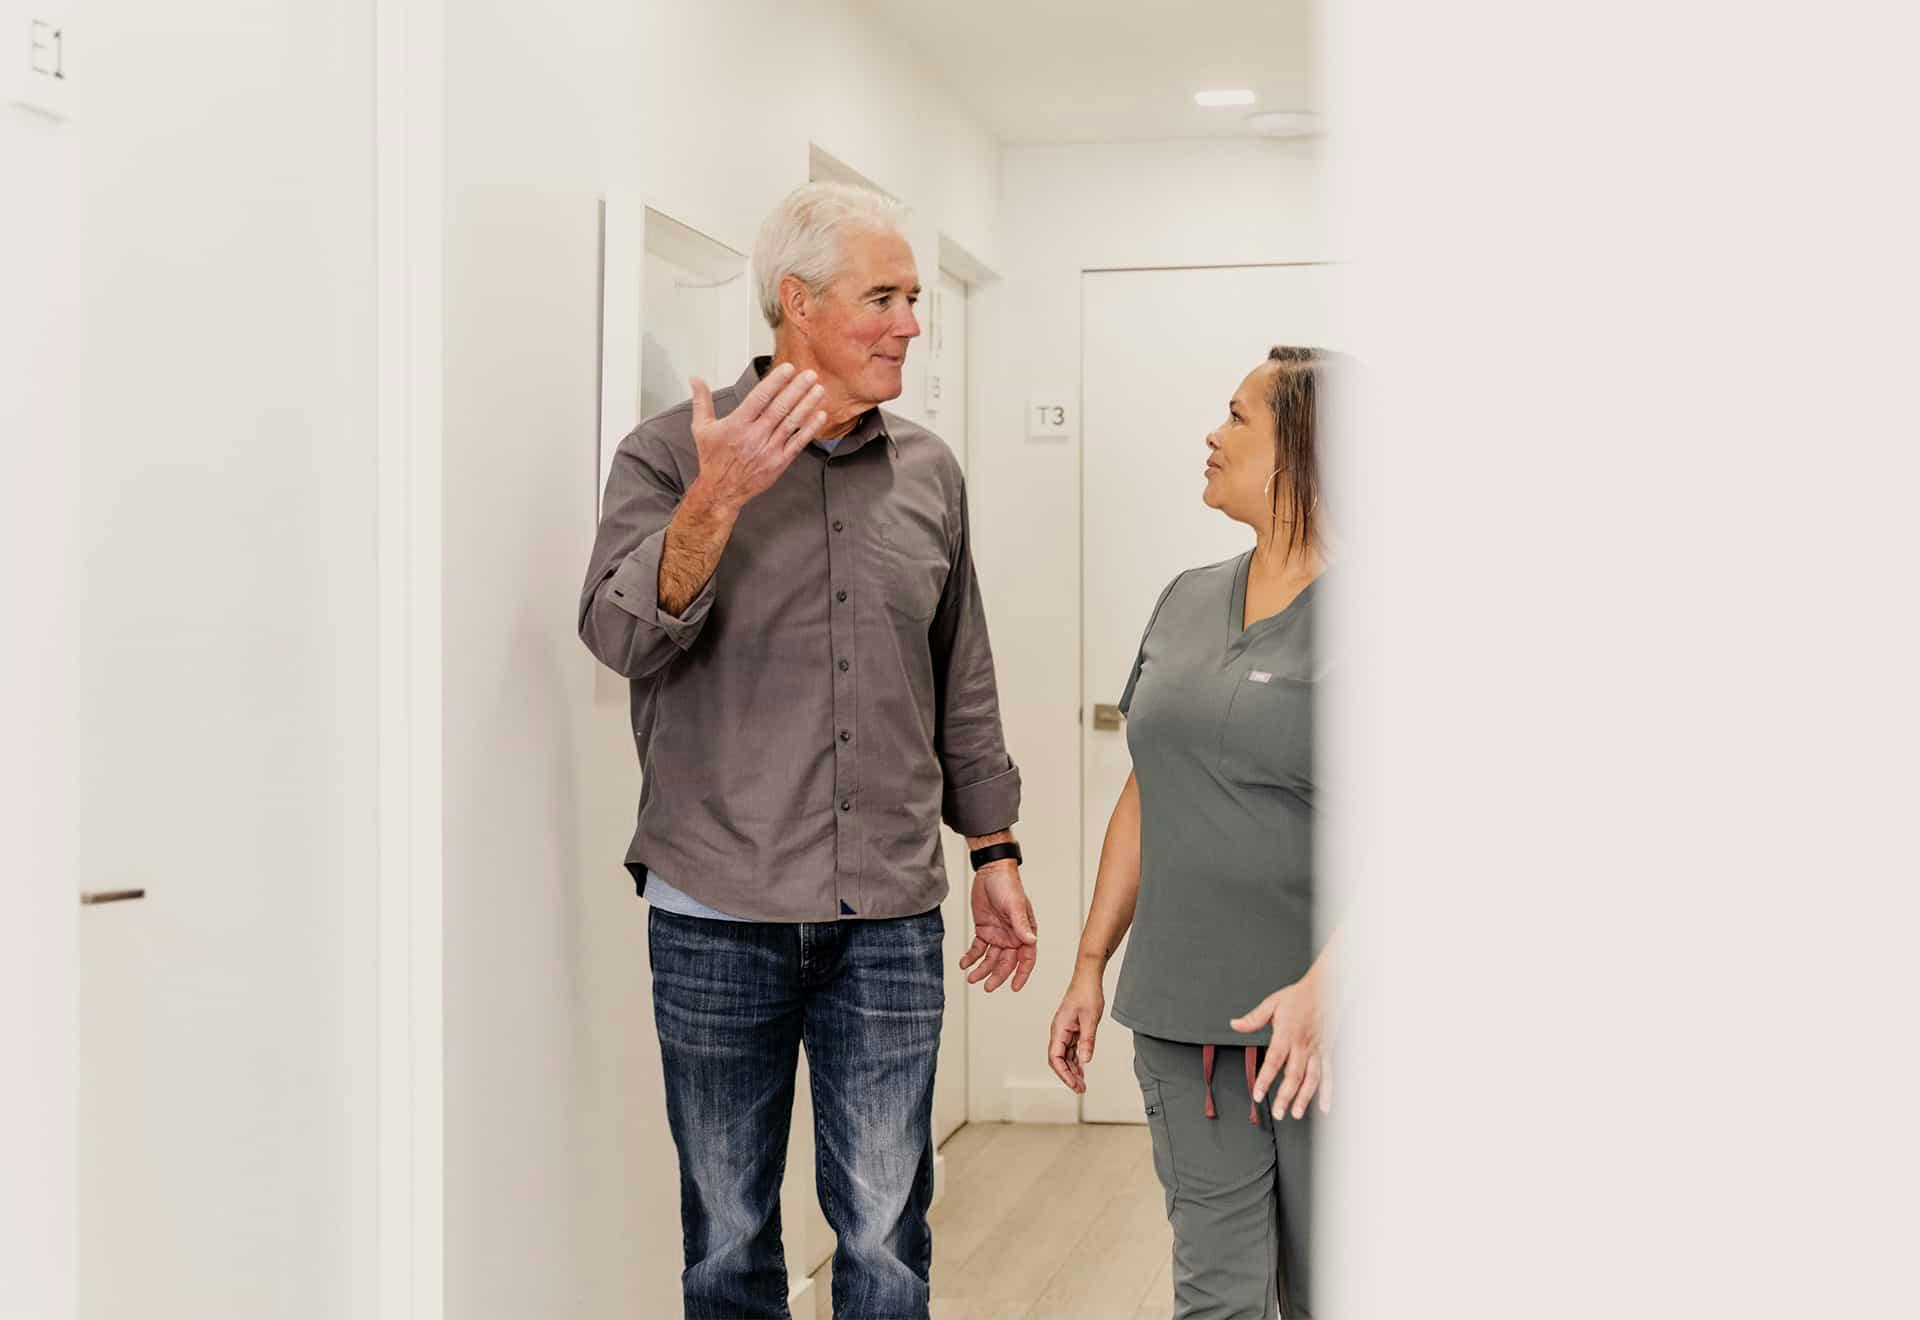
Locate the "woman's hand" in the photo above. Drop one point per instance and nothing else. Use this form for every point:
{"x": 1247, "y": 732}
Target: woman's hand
{"x": 1075, "y": 1023}
{"x": 1298, "y": 1047}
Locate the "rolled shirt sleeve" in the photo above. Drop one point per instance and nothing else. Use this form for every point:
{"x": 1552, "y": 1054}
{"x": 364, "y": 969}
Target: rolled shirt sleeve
{"x": 982, "y": 792}
{"x": 620, "y": 616}
{"x": 985, "y": 806}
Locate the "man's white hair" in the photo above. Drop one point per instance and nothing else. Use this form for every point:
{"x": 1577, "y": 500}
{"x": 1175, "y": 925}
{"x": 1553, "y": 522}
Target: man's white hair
{"x": 803, "y": 237}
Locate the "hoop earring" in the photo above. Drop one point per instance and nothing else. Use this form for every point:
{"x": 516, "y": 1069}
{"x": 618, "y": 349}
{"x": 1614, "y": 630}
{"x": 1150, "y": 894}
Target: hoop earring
{"x": 1267, "y": 490}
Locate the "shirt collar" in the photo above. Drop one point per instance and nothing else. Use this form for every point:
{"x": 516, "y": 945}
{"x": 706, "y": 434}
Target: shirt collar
{"x": 872, "y": 425}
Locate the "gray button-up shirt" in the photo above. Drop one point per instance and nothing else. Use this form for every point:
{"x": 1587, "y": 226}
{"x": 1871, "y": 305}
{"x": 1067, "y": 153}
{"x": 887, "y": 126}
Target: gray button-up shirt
{"x": 828, "y": 697}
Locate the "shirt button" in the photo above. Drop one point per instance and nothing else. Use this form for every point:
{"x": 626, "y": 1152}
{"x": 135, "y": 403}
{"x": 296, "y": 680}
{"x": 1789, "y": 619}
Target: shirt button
{"x": 846, "y": 804}
{"x": 840, "y": 596}
{"x": 846, "y": 736}
{"x": 844, "y": 666}
{"x": 839, "y": 526}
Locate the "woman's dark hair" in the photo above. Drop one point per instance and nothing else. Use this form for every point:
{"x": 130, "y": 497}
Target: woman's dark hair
{"x": 1294, "y": 396}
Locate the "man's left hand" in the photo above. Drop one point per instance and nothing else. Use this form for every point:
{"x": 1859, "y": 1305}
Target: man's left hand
{"x": 1005, "y": 936}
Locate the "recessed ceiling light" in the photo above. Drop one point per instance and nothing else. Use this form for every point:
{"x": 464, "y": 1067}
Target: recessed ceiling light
{"x": 1241, "y": 97}
{"x": 1284, "y": 123}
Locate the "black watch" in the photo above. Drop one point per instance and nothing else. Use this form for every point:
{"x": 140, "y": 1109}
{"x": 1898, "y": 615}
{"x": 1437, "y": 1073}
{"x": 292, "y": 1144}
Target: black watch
{"x": 995, "y": 852}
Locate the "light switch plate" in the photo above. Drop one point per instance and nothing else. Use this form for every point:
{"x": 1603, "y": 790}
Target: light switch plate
{"x": 36, "y": 56}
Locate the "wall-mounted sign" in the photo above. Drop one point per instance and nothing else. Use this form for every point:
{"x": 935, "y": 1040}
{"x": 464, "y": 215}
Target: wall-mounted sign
{"x": 1049, "y": 417}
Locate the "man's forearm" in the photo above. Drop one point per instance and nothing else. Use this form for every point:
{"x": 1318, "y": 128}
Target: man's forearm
{"x": 695, "y": 538}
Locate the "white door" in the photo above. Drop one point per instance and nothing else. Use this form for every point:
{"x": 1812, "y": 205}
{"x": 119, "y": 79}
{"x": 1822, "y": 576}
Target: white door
{"x": 224, "y": 664}
{"x": 1163, "y": 352}
{"x": 946, "y": 343}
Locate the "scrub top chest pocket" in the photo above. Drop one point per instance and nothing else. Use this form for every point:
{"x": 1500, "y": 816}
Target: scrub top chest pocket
{"x": 1266, "y": 738}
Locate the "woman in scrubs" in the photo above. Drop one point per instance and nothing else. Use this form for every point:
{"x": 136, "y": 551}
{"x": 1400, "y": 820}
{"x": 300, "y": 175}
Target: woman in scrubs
{"x": 1209, "y": 859}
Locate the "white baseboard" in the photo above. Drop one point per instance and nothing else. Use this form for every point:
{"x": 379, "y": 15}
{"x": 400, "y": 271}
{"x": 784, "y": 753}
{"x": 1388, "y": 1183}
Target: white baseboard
{"x": 1041, "y": 1102}
{"x": 939, "y": 1178}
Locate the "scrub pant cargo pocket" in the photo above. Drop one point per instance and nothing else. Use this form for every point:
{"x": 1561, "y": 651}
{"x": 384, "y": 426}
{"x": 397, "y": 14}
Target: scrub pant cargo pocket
{"x": 1239, "y": 1193}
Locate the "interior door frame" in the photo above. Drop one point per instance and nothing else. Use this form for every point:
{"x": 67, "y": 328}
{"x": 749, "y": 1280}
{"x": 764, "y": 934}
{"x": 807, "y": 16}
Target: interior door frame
{"x": 1089, "y": 865}
{"x": 956, "y": 263}
{"x": 976, "y": 278}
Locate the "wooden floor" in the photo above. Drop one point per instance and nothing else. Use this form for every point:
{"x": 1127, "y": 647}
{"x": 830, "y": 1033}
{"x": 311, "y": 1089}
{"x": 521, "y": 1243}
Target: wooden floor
{"x": 1049, "y": 1222}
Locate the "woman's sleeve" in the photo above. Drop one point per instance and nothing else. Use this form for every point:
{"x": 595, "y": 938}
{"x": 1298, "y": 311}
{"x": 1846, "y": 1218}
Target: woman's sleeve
{"x": 1140, "y": 656}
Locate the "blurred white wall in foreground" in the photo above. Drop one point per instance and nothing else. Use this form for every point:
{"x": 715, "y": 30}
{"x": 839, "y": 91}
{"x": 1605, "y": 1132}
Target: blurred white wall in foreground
{"x": 1632, "y": 737}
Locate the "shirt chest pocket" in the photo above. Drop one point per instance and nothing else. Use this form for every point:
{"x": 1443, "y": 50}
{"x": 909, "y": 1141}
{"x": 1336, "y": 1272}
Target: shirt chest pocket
{"x": 909, "y": 565}
{"x": 1267, "y": 736}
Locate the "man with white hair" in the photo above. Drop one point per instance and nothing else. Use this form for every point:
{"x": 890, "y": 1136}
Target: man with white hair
{"x": 783, "y": 572}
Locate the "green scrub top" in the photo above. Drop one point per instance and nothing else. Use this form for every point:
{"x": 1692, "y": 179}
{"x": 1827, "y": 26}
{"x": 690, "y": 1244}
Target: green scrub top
{"x": 1220, "y": 724}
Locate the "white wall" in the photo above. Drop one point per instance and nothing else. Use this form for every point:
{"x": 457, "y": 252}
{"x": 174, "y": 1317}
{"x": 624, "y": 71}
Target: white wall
{"x": 1065, "y": 209}
{"x": 562, "y": 1189}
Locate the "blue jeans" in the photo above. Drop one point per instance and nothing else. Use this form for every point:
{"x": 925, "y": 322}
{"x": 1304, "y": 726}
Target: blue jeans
{"x": 734, "y": 1003}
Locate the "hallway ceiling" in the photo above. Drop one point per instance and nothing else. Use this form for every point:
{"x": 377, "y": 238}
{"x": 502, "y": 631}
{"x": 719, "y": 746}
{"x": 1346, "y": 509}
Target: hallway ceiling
{"x": 1110, "y": 70}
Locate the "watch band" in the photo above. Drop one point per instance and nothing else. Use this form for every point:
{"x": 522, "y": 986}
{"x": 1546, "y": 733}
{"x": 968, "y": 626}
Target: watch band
{"x": 995, "y": 852}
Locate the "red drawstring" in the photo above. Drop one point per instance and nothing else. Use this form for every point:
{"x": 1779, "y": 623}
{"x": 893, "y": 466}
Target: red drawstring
{"x": 1250, "y": 1054}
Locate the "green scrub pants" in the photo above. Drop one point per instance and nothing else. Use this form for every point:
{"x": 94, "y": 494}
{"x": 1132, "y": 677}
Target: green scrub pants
{"x": 1239, "y": 1192}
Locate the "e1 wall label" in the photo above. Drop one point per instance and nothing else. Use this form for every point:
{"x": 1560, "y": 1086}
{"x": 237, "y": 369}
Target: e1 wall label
{"x": 36, "y": 56}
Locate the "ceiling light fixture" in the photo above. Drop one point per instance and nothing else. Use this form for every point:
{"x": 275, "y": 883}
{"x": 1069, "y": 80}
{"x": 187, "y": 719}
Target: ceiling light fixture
{"x": 1284, "y": 123}
{"x": 1241, "y": 97}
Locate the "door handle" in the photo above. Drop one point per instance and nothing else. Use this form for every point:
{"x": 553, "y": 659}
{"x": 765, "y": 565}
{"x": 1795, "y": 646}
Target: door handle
{"x": 1107, "y": 717}
{"x": 95, "y": 897}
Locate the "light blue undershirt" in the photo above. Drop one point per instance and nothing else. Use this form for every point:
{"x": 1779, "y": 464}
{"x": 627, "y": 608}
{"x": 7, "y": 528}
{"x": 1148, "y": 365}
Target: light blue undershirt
{"x": 668, "y": 899}
{"x": 663, "y": 895}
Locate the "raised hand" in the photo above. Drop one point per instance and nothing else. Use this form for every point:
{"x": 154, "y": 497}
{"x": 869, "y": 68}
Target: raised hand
{"x": 744, "y": 453}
